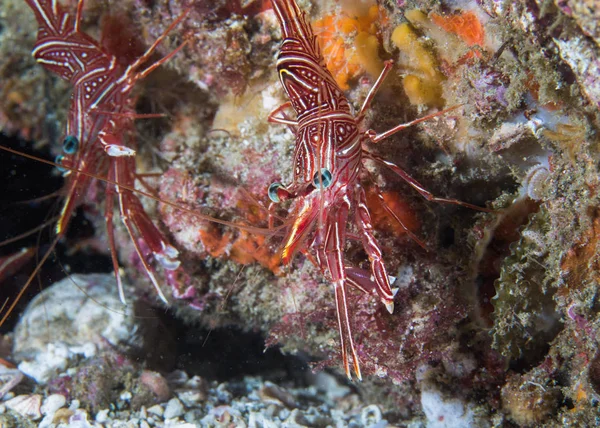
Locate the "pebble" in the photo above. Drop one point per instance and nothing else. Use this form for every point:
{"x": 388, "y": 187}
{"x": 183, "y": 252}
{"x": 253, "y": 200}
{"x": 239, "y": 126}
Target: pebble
{"x": 371, "y": 415}
{"x": 50, "y": 406}
{"x": 46, "y": 422}
{"x": 102, "y": 416}
{"x": 246, "y": 410}
{"x": 156, "y": 410}
{"x": 126, "y": 396}
{"x": 74, "y": 405}
{"x": 62, "y": 415}
{"x": 174, "y": 409}
{"x": 52, "y": 403}
{"x": 157, "y": 384}
{"x": 177, "y": 424}
{"x": 189, "y": 398}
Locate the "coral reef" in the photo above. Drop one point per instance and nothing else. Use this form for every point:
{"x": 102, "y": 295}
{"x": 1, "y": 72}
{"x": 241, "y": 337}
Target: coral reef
{"x": 496, "y": 321}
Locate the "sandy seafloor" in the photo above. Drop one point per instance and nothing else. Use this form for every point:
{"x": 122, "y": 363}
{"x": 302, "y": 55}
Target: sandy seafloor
{"x": 496, "y": 321}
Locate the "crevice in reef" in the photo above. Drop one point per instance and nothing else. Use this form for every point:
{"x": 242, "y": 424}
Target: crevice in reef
{"x": 225, "y": 353}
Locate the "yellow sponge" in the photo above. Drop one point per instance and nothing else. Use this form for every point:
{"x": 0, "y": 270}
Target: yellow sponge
{"x": 423, "y": 83}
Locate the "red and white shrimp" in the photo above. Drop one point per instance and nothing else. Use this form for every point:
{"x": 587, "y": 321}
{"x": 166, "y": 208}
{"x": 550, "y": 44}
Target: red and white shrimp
{"x": 98, "y": 139}
{"x": 330, "y": 151}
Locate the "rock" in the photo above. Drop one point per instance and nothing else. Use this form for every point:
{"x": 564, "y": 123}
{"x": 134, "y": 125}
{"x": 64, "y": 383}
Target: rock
{"x": 94, "y": 314}
{"x": 52, "y": 403}
{"x": 156, "y": 384}
{"x": 51, "y": 331}
{"x": 527, "y": 402}
{"x": 156, "y": 410}
{"x": 102, "y": 416}
{"x": 446, "y": 412}
{"x": 174, "y": 409}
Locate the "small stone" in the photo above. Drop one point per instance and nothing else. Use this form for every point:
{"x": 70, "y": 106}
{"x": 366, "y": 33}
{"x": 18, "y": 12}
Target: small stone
{"x": 50, "y": 406}
{"x": 370, "y": 415}
{"x": 102, "y": 416}
{"x": 143, "y": 413}
{"x": 46, "y": 422}
{"x": 331, "y": 386}
{"x": 296, "y": 419}
{"x": 177, "y": 378}
{"x": 52, "y": 403}
{"x": 126, "y": 396}
{"x": 199, "y": 384}
{"x": 189, "y": 398}
{"x": 74, "y": 405}
{"x": 144, "y": 424}
{"x": 283, "y": 414}
{"x": 190, "y": 416}
{"x": 62, "y": 416}
{"x": 80, "y": 416}
{"x": 273, "y": 394}
{"x": 174, "y": 409}
{"x": 156, "y": 410}
{"x": 157, "y": 384}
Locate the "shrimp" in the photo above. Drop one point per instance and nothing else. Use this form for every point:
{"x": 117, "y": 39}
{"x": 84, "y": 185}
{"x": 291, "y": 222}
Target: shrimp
{"x": 98, "y": 130}
{"x": 331, "y": 146}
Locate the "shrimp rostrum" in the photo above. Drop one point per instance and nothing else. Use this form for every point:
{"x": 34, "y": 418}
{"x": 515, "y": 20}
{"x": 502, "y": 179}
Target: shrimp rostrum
{"x": 330, "y": 150}
{"x": 98, "y": 141}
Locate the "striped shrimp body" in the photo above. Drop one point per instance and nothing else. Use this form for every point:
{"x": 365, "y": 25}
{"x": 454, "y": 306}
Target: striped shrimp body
{"x": 330, "y": 149}
{"x": 99, "y": 128}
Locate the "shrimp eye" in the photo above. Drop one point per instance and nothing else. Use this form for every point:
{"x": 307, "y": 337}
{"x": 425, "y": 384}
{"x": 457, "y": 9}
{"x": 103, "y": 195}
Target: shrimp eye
{"x": 70, "y": 145}
{"x": 58, "y": 161}
{"x": 273, "y": 192}
{"x": 322, "y": 180}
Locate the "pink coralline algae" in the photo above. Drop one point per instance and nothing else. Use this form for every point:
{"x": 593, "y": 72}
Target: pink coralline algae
{"x": 490, "y": 91}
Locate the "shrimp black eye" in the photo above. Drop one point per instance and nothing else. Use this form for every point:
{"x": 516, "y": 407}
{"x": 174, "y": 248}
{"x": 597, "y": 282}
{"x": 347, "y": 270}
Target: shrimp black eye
{"x": 58, "y": 161}
{"x": 322, "y": 180}
{"x": 70, "y": 145}
{"x": 273, "y": 195}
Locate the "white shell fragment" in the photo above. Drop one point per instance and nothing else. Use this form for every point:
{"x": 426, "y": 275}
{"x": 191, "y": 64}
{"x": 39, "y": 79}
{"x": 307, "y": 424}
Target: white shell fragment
{"x": 28, "y": 406}
{"x": 9, "y": 378}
